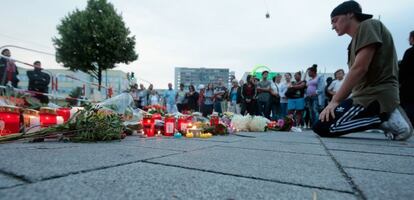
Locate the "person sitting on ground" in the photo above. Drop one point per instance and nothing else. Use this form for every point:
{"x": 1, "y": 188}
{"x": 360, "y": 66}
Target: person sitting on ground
{"x": 372, "y": 78}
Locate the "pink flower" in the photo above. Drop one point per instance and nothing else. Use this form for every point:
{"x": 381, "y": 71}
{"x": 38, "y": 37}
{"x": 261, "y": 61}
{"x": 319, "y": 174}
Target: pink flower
{"x": 280, "y": 123}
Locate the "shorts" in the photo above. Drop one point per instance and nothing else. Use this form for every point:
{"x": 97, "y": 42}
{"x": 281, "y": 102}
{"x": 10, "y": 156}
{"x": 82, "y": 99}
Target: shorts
{"x": 296, "y": 104}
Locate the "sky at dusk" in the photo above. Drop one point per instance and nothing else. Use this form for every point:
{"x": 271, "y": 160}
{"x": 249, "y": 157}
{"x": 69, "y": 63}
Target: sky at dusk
{"x": 232, "y": 34}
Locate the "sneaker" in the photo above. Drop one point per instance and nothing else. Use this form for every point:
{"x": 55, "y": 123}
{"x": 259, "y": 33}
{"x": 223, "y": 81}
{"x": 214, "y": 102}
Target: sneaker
{"x": 398, "y": 126}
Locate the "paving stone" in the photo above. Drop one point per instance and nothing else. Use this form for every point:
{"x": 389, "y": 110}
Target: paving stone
{"x": 147, "y": 181}
{"x": 319, "y": 171}
{"x": 389, "y": 163}
{"x": 6, "y": 181}
{"x": 382, "y": 185}
{"x": 223, "y": 139}
{"x": 395, "y": 150}
{"x": 368, "y": 139}
{"x": 181, "y": 144}
{"x": 38, "y": 145}
{"x": 36, "y": 164}
{"x": 303, "y": 148}
{"x": 303, "y": 137}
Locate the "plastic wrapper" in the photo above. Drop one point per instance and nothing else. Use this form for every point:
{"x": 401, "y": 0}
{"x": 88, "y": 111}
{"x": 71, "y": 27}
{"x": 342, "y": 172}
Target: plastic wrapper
{"x": 52, "y": 105}
{"x": 240, "y": 122}
{"x": 258, "y": 124}
{"x": 123, "y": 105}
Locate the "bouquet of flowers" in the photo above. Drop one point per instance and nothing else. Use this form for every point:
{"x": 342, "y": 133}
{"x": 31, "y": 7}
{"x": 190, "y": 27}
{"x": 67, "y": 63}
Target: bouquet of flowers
{"x": 152, "y": 109}
{"x": 284, "y": 124}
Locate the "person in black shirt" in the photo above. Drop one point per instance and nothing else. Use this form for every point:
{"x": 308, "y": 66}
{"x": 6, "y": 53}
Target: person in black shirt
{"x": 38, "y": 82}
{"x": 406, "y": 81}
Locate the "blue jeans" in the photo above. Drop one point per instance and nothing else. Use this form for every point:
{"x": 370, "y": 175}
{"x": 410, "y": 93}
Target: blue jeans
{"x": 313, "y": 104}
{"x": 276, "y": 112}
{"x": 283, "y": 109}
{"x": 264, "y": 108}
{"x": 217, "y": 107}
{"x": 207, "y": 109}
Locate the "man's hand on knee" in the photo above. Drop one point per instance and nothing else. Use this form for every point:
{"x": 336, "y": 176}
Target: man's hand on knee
{"x": 328, "y": 112}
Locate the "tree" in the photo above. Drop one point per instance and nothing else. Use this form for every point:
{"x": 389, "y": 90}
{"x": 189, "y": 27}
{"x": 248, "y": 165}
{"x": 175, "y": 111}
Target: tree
{"x": 94, "y": 39}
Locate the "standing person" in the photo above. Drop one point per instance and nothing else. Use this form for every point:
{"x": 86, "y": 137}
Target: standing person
{"x": 328, "y": 95}
{"x": 406, "y": 80}
{"x": 240, "y": 100}
{"x": 192, "y": 99}
{"x": 143, "y": 96}
{"x": 372, "y": 78}
{"x": 337, "y": 83}
{"x": 200, "y": 100}
{"x": 180, "y": 98}
{"x": 283, "y": 99}
{"x": 208, "y": 102}
{"x": 169, "y": 98}
{"x": 263, "y": 97}
{"x": 134, "y": 93}
{"x": 275, "y": 97}
{"x": 219, "y": 97}
{"x": 296, "y": 101}
{"x": 234, "y": 97}
{"x": 249, "y": 95}
{"x": 8, "y": 69}
{"x": 39, "y": 82}
{"x": 312, "y": 99}
{"x": 153, "y": 97}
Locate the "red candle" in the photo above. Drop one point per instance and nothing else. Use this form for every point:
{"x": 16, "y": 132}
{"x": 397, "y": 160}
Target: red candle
{"x": 214, "y": 120}
{"x": 9, "y": 120}
{"x": 64, "y": 112}
{"x": 182, "y": 123}
{"x": 148, "y": 125}
{"x": 169, "y": 125}
{"x": 48, "y": 117}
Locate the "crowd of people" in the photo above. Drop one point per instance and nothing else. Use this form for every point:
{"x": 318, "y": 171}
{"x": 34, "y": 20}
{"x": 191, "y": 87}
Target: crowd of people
{"x": 304, "y": 96}
{"x": 373, "y": 95}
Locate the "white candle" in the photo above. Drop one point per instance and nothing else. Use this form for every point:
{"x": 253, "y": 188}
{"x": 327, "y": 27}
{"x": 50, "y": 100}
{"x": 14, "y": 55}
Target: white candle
{"x": 59, "y": 120}
{"x": 34, "y": 124}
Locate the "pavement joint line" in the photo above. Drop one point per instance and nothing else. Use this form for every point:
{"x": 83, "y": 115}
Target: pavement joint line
{"x": 268, "y": 150}
{"x": 14, "y": 176}
{"x": 246, "y": 136}
{"x": 357, "y": 191}
{"x": 215, "y": 141}
{"x": 367, "y": 152}
{"x": 147, "y": 147}
{"x": 36, "y": 148}
{"x": 9, "y": 187}
{"x": 247, "y": 177}
{"x": 376, "y": 170}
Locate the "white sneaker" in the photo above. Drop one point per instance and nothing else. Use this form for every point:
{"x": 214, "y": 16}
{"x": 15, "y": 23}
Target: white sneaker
{"x": 398, "y": 126}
